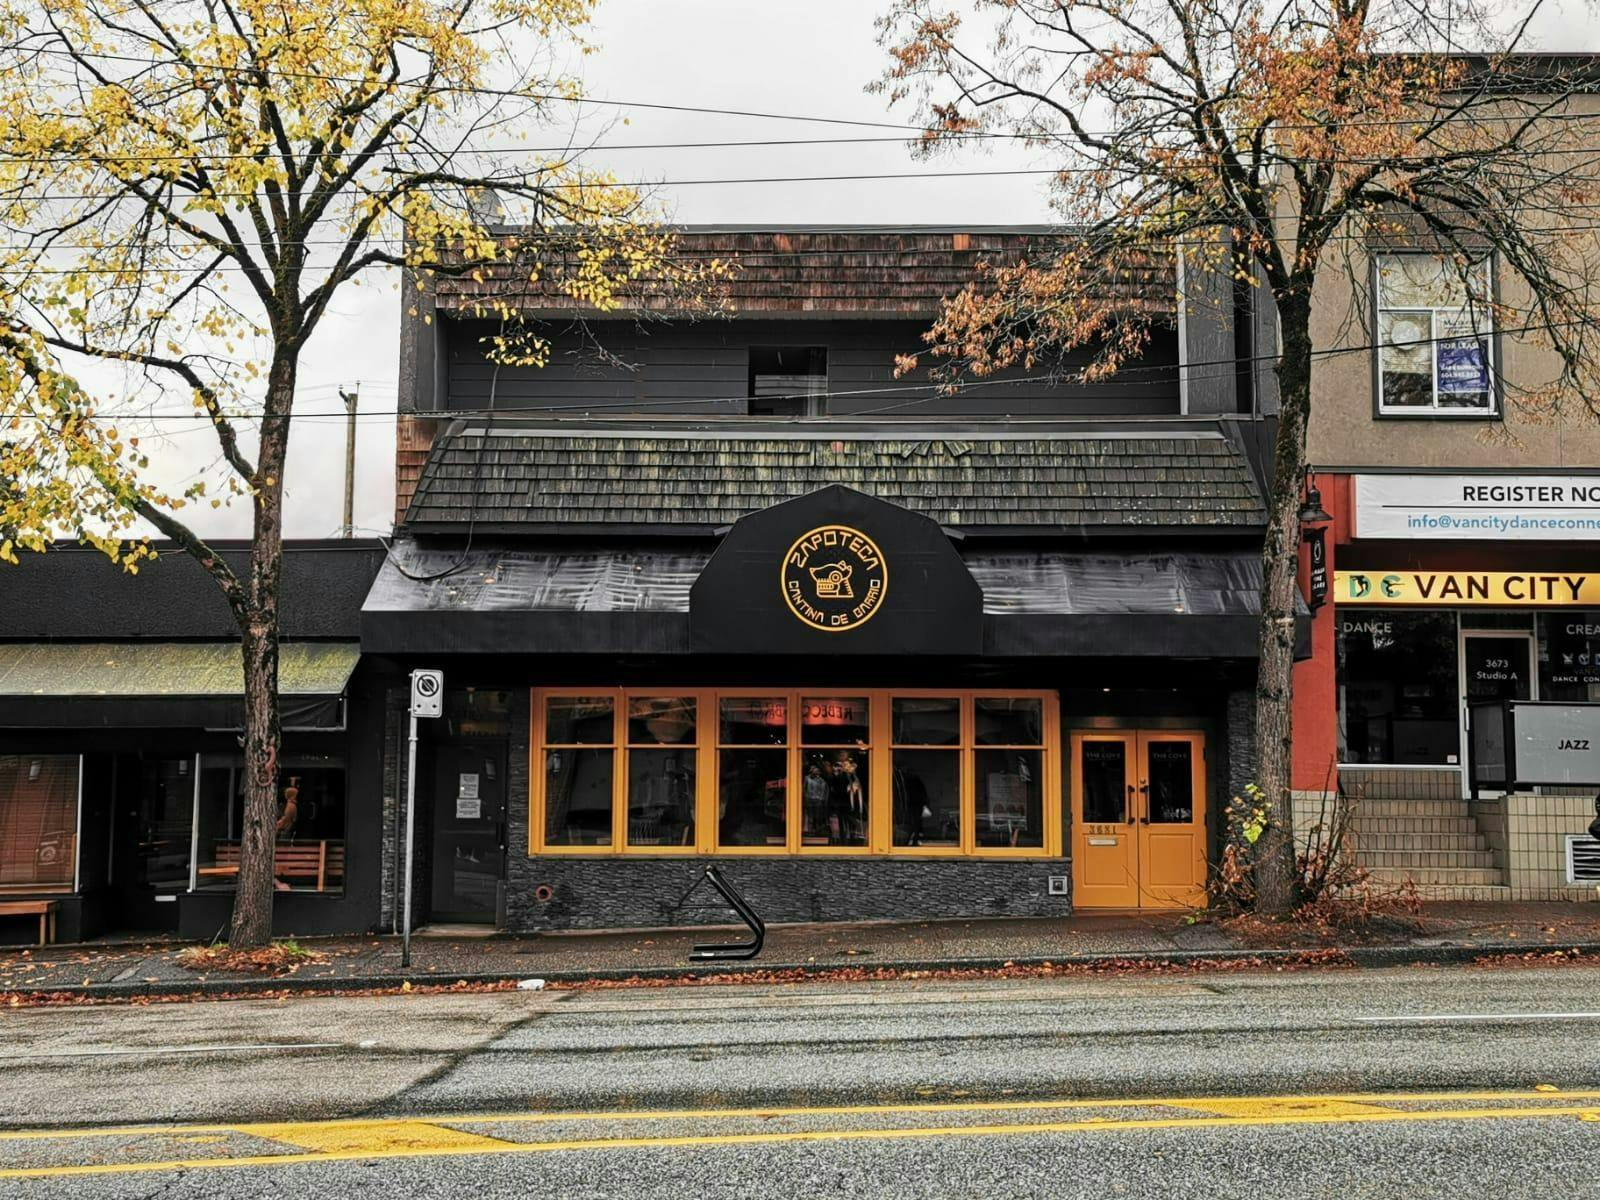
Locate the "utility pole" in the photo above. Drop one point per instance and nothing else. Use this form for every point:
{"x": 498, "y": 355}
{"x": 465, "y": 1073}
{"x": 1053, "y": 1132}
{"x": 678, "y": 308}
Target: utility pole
{"x": 350, "y": 398}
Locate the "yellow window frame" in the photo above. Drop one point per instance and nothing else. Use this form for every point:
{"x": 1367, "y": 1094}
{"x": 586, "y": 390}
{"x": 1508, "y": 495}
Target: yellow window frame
{"x": 880, "y": 764}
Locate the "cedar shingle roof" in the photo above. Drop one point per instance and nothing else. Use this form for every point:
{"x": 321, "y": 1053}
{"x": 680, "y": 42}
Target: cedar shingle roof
{"x": 533, "y": 477}
{"x": 887, "y": 272}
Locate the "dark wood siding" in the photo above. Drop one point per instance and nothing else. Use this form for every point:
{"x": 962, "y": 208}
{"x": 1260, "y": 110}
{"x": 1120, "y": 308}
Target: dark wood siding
{"x": 702, "y": 369}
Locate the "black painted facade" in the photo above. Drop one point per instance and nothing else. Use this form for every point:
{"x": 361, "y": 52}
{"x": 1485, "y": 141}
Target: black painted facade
{"x": 581, "y": 527}
{"x": 72, "y": 594}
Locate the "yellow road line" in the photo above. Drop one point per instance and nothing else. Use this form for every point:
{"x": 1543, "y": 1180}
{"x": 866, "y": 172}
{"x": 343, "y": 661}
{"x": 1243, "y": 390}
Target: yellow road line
{"x": 841, "y": 1110}
{"x": 380, "y": 1150}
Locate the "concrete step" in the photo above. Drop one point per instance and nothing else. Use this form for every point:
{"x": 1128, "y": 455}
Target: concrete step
{"x": 1482, "y": 892}
{"x": 1432, "y": 876}
{"x": 1404, "y": 806}
{"x": 1408, "y": 840}
{"x": 1423, "y": 859}
{"x": 1365, "y": 823}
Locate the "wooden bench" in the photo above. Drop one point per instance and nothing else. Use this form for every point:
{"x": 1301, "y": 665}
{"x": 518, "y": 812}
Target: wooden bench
{"x": 45, "y": 910}
{"x": 321, "y": 862}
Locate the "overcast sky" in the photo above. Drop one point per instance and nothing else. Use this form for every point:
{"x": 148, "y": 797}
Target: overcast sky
{"x": 812, "y": 59}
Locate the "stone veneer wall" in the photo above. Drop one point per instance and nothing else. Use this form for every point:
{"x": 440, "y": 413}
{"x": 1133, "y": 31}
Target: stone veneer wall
{"x": 628, "y": 891}
{"x": 1536, "y": 830}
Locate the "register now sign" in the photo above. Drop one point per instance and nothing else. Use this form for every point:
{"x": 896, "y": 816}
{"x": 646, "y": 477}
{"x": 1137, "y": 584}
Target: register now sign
{"x": 1478, "y": 507}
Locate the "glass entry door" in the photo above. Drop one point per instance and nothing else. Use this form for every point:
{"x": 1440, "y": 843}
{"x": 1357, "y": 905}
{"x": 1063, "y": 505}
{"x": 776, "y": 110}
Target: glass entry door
{"x": 1496, "y": 665}
{"x": 1138, "y": 819}
{"x": 469, "y": 830}
{"x": 153, "y": 832}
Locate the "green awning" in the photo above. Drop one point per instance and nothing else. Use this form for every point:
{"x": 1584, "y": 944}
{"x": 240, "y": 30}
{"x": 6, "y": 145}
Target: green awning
{"x": 146, "y": 684}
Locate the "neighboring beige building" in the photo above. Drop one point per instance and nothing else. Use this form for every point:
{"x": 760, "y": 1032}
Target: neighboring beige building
{"x": 1462, "y": 566}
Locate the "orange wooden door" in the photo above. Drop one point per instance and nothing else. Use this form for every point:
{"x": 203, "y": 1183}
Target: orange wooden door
{"x": 1171, "y": 805}
{"x": 1105, "y": 838}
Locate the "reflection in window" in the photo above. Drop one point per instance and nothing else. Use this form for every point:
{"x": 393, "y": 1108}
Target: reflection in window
{"x": 834, "y": 721}
{"x": 927, "y": 798}
{"x": 310, "y": 830}
{"x": 1010, "y": 800}
{"x": 1435, "y": 326}
{"x": 1399, "y": 697}
{"x": 579, "y": 720}
{"x": 1569, "y": 655}
{"x": 1170, "y": 800}
{"x": 661, "y": 770}
{"x": 752, "y": 797}
{"x": 754, "y": 721}
{"x": 1103, "y": 772}
{"x": 661, "y": 720}
{"x": 927, "y": 720}
{"x": 1003, "y": 721}
{"x": 577, "y": 796}
{"x": 661, "y": 797}
{"x": 833, "y": 792}
{"x": 38, "y": 819}
{"x": 165, "y": 816}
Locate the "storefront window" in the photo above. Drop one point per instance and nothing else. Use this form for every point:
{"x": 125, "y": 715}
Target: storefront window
{"x": 1010, "y": 798}
{"x": 1569, "y": 655}
{"x": 310, "y": 830}
{"x": 661, "y": 770}
{"x": 835, "y": 770}
{"x": 927, "y": 771}
{"x": 796, "y": 772}
{"x": 579, "y": 769}
{"x": 38, "y": 820}
{"x": 1399, "y": 692}
{"x": 753, "y": 777}
{"x": 1010, "y": 781}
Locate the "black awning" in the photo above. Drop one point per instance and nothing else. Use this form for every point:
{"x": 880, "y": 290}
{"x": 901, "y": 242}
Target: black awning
{"x": 634, "y": 599}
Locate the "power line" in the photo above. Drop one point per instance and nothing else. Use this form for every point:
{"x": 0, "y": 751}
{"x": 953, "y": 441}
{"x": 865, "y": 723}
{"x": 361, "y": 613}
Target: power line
{"x": 689, "y": 234}
{"x": 512, "y": 93}
{"x": 727, "y": 181}
{"x": 939, "y": 390}
{"x": 501, "y": 93}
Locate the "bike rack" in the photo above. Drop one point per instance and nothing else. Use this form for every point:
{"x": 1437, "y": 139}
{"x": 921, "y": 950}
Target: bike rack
{"x": 741, "y": 906}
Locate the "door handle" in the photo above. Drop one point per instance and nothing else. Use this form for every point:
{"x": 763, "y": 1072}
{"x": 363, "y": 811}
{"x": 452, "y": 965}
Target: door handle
{"x": 1144, "y": 790}
{"x": 1132, "y": 816}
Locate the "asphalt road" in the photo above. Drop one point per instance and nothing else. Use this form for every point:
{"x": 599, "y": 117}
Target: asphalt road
{"x": 1404, "y": 1083}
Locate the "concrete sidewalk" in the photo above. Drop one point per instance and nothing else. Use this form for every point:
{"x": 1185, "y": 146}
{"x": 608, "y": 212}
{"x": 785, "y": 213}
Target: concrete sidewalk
{"x": 1444, "y": 932}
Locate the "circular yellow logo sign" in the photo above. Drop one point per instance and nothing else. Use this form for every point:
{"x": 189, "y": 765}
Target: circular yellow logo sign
{"x": 834, "y": 578}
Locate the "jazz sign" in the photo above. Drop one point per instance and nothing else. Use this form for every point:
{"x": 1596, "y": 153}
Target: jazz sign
{"x": 1448, "y": 588}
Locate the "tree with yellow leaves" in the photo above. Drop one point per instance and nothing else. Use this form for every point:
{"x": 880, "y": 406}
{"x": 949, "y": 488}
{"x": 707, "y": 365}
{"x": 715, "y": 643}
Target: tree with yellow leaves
{"x": 1279, "y": 144}
{"x": 187, "y": 185}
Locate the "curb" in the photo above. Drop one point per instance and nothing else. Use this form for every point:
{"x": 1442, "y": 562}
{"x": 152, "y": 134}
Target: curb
{"x": 1366, "y": 957}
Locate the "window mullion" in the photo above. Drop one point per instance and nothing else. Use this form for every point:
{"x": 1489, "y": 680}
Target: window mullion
{"x": 536, "y": 790}
{"x": 791, "y": 789}
{"x": 707, "y": 777}
{"x": 619, "y": 770}
{"x": 1433, "y": 339}
{"x": 969, "y": 775}
{"x": 880, "y": 774}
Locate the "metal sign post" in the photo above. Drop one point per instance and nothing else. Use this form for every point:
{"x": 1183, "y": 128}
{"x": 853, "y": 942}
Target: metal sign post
{"x": 427, "y": 700}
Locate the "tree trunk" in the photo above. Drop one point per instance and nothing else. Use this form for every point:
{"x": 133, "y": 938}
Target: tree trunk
{"x": 1274, "y": 856}
{"x": 259, "y": 628}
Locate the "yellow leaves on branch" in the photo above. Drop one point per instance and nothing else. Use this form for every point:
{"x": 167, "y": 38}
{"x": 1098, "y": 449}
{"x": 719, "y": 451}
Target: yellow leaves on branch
{"x": 173, "y": 195}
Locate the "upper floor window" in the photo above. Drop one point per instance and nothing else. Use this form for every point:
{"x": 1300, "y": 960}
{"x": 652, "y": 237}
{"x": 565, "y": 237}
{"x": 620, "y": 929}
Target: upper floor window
{"x": 1435, "y": 337}
{"x": 788, "y": 381}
